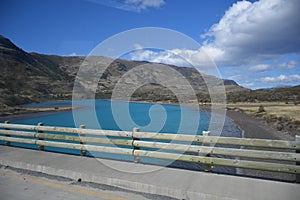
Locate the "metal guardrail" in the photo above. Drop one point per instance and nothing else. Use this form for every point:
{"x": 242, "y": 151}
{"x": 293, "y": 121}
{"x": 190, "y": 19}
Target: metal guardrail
{"x": 266, "y": 153}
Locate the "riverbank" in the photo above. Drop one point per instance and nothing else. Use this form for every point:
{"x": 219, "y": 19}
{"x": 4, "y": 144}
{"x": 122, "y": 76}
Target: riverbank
{"x": 282, "y": 117}
{"x": 22, "y": 112}
{"x": 255, "y": 127}
{"x": 258, "y": 128}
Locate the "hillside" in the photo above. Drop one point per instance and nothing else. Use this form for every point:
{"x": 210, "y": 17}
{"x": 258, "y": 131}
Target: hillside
{"x": 287, "y": 95}
{"x": 27, "y": 78}
{"x": 32, "y": 77}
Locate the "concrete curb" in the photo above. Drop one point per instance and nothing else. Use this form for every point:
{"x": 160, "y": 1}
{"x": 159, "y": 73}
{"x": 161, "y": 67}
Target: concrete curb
{"x": 176, "y": 183}
{"x": 124, "y": 184}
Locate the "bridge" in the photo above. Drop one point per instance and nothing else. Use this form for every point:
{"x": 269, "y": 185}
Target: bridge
{"x": 277, "y": 156}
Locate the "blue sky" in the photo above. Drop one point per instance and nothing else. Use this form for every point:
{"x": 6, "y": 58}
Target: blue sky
{"x": 255, "y": 43}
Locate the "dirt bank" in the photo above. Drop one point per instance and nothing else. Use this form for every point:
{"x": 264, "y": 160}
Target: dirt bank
{"x": 257, "y": 128}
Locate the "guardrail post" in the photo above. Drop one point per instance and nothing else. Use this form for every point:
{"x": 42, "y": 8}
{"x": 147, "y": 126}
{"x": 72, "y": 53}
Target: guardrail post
{"x": 240, "y": 171}
{"x": 136, "y": 158}
{"x": 206, "y": 134}
{"x": 82, "y": 151}
{"x": 7, "y": 142}
{"x": 41, "y": 147}
{"x": 298, "y": 151}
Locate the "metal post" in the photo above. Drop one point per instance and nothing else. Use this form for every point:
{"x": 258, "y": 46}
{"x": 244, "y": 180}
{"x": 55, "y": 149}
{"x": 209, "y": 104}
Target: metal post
{"x": 136, "y": 158}
{"x": 7, "y": 142}
{"x": 41, "y": 147}
{"x": 206, "y": 134}
{"x": 298, "y": 151}
{"x": 83, "y": 151}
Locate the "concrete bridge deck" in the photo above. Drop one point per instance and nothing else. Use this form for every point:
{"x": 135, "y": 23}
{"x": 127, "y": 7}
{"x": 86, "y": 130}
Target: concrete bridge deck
{"x": 177, "y": 183}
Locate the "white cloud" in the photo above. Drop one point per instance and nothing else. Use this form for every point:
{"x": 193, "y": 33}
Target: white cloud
{"x": 288, "y": 65}
{"x": 295, "y": 77}
{"x": 282, "y": 78}
{"x": 267, "y": 67}
{"x": 237, "y": 77}
{"x": 268, "y": 79}
{"x": 248, "y": 33}
{"x": 248, "y": 85}
{"x": 130, "y": 5}
{"x": 138, "y": 46}
{"x": 168, "y": 57}
{"x": 179, "y": 57}
{"x": 253, "y": 32}
{"x": 139, "y": 5}
{"x": 73, "y": 54}
{"x": 260, "y": 68}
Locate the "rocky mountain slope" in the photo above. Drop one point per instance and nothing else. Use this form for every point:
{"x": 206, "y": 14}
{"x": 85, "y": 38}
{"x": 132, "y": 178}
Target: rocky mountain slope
{"x": 32, "y": 77}
{"x": 26, "y": 78}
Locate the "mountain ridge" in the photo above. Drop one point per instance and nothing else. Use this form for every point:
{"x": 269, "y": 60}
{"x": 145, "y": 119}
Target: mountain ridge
{"x": 33, "y": 77}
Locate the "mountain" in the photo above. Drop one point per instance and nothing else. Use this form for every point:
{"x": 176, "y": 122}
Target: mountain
{"x": 32, "y": 77}
{"x": 277, "y": 87}
{"x": 27, "y": 78}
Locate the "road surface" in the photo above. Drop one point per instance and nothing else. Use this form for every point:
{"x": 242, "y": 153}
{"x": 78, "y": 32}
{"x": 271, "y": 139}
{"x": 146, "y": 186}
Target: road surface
{"x": 27, "y": 185}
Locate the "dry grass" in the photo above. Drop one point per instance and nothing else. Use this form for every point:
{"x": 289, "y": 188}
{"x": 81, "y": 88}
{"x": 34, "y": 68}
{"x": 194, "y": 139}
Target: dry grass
{"x": 277, "y": 109}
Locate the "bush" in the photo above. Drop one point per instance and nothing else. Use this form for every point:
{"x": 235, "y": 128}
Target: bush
{"x": 261, "y": 109}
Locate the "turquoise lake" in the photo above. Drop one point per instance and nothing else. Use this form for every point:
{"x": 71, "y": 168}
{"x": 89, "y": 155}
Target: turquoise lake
{"x": 139, "y": 112}
{"x": 148, "y": 117}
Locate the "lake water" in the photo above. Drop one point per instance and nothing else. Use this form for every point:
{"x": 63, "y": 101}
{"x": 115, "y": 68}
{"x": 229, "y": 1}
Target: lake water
{"x": 171, "y": 115}
{"x": 109, "y": 115}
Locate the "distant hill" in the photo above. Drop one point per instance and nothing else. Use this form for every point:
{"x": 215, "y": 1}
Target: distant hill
{"x": 277, "y": 87}
{"x": 288, "y": 95}
{"x": 32, "y": 77}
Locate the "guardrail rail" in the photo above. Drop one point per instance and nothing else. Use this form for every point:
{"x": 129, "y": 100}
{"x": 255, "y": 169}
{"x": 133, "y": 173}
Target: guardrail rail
{"x": 180, "y": 147}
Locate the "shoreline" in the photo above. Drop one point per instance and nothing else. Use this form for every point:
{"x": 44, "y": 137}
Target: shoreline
{"x": 251, "y": 126}
{"x": 255, "y": 127}
{"x": 20, "y": 112}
